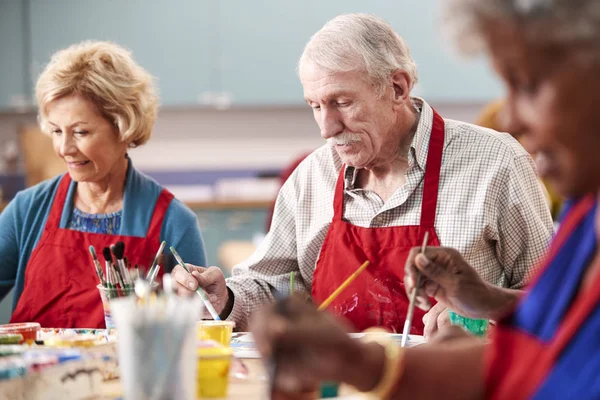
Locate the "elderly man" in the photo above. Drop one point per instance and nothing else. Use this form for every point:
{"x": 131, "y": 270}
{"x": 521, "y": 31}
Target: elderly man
{"x": 392, "y": 171}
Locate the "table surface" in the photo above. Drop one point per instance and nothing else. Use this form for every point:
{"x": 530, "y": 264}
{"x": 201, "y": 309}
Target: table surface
{"x": 252, "y": 387}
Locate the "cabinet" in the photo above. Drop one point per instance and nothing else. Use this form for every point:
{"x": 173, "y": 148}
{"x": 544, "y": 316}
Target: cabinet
{"x": 170, "y": 38}
{"x": 14, "y": 85}
{"x": 224, "y": 53}
{"x": 219, "y": 226}
{"x": 259, "y": 46}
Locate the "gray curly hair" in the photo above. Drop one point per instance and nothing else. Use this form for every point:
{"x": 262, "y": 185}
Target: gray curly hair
{"x": 564, "y": 22}
{"x": 355, "y": 42}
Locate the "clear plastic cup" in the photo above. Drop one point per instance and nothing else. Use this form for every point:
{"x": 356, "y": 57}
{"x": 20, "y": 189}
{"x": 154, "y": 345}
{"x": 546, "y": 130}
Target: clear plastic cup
{"x": 219, "y": 331}
{"x": 213, "y": 371}
{"x": 106, "y": 294}
{"x": 157, "y": 347}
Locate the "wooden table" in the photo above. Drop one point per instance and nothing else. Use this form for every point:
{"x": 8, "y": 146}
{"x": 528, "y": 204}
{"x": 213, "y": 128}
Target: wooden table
{"x": 251, "y": 388}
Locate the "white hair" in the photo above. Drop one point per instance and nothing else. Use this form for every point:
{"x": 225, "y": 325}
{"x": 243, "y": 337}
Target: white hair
{"x": 563, "y": 22}
{"x": 360, "y": 42}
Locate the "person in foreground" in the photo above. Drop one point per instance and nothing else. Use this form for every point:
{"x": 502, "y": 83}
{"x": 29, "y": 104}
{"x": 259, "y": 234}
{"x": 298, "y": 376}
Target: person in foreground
{"x": 392, "y": 169}
{"x": 96, "y": 103}
{"x": 546, "y": 346}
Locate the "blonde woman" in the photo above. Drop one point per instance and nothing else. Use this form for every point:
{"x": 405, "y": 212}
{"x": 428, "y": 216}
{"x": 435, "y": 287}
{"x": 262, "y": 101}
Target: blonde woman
{"x": 96, "y": 103}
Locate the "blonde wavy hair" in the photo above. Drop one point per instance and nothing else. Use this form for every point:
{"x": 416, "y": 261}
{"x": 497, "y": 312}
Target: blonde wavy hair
{"x": 105, "y": 74}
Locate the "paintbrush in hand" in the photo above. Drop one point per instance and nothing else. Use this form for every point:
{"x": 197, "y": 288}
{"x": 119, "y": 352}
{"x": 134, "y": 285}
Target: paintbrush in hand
{"x": 199, "y": 290}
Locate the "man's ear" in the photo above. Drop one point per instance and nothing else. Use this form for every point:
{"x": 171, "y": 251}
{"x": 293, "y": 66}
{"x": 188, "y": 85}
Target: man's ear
{"x": 401, "y": 83}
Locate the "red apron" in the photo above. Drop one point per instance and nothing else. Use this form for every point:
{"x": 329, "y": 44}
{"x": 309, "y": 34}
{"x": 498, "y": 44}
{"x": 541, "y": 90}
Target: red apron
{"x": 377, "y": 296}
{"x": 60, "y": 280}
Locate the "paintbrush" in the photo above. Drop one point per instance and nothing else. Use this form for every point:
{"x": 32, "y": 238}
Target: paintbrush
{"x": 109, "y": 263}
{"x": 119, "y": 250}
{"x": 155, "y": 266}
{"x": 110, "y": 279}
{"x": 413, "y": 299}
{"x": 136, "y": 270}
{"x": 161, "y": 261}
{"x": 292, "y": 282}
{"x": 199, "y": 290}
{"x": 343, "y": 286}
{"x": 97, "y": 266}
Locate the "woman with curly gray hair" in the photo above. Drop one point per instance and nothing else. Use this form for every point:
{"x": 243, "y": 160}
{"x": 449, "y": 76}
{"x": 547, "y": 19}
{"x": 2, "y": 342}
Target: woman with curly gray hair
{"x": 545, "y": 344}
{"x": 96, "y": 103}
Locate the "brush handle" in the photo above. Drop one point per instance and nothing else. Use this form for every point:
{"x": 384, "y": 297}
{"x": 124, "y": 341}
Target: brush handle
{"x": 413, "y": 299}
{"x": 155, "y": 262}
{"x": 343, "y": 286}
{"x": 411, "y": 312}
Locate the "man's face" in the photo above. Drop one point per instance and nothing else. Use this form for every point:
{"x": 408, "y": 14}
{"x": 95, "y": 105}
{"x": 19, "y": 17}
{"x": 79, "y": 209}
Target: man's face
{"x": 353, "y": 118}
{"x": 553, "y": 99}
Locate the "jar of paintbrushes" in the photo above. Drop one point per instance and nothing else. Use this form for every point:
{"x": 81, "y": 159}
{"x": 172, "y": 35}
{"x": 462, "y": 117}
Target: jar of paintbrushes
{"x": 157, "y": 344}
{"x": 118, "y": 276}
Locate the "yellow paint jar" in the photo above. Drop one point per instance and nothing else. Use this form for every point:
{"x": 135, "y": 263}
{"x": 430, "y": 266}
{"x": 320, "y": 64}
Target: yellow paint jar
{"x": 213, "y": 371}
{"x": 219, "y": 331}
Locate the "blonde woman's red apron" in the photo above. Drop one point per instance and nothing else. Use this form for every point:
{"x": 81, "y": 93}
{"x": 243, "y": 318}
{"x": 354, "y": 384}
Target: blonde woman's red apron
{"x": 60, "y": 281}
{"x": 377, "y": 297}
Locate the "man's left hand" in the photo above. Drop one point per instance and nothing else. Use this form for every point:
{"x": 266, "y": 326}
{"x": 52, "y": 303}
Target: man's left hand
{"x": 436, "y": 319}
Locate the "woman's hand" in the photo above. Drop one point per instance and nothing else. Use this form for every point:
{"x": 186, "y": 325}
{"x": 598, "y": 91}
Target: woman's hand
{"x": 448, "y": 278}
{"x": 308, "y": 346}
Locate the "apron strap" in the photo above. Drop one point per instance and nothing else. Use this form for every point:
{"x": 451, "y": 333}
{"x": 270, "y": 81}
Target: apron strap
{"x": 432, "y": 177}
{"x": 158, "y": 216}
{"x": 432, "y": 172}
{"x": 58, "y": 203}
{"x": 338, "y": 199}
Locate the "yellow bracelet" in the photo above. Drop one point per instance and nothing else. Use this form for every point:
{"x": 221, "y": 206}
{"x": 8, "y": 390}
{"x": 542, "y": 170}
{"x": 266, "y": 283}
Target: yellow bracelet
{"x": 393, "y": 367}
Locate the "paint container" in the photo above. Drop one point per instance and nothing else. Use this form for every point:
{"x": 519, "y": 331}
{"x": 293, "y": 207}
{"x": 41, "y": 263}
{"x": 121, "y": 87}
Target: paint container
{"x": 213, "y": 371}
{"x": 219, "y": 331}
{"x": 106, "y": 294}
{"x": 10, "y": 338}
{"x": 477, "y": 327}
{"x": 29, "y": 330}
{"x": 74, "y": 340}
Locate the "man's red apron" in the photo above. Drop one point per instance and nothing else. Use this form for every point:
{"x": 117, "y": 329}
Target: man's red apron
{"x": 377, "y": 296}
{"x": 60, "y": 280}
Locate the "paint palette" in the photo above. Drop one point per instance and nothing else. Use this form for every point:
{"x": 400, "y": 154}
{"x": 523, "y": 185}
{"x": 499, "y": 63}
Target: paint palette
{"x": 243, "y": 345}
{"x": 413, "y": 340}
{"x": 102, "y": 336}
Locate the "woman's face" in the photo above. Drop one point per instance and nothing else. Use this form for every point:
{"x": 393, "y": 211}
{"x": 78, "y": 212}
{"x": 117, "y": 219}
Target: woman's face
{"x": 87, "y": 142}
{"x": 553, "y": 97}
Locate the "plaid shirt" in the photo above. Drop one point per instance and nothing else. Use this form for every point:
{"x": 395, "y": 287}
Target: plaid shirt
{"x": 491, "y": 208}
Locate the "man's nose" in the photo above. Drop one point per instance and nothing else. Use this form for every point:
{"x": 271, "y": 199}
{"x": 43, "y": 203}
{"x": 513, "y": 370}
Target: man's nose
{"x": 331, "y": 123}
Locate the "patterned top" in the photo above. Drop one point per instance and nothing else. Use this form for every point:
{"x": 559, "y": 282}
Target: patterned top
{"x": 491, "y": 208}
{"x": 109, "y": 224}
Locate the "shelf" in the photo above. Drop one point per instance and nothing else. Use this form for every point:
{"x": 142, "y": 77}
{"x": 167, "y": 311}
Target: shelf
{"x": 229, "y": 204}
